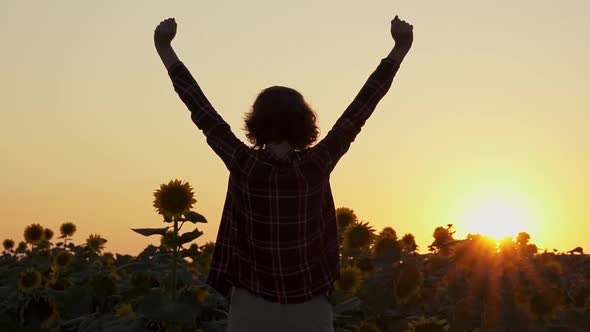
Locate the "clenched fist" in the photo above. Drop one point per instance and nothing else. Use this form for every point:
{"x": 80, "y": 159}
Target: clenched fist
{"x": 402, "y": 32}
{"x": 165, "y": 32}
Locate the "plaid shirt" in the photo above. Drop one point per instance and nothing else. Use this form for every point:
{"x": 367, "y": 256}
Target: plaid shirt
{"x": 278, "y": 237}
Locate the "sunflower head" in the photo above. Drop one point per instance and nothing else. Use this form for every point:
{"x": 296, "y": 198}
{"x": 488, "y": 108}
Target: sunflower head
{"x": 345, "y": 217}
{"x": 174, "y": 199}
{"x": 431, "y": 324}
{"x": 62, "y": 259}
{"x": 34, "y": 234}
{"x": 387, "y": 248}
{"x": 95, "y": 243}
{"x": 28, "y": 280}
{"x": 358, "y": 236}
{"x": 125, "y": 309}
{"x": 554, "y": 267}
{"x": 41, "y": 309}
{"x": 408, "y": 283}
{"x": 22, "y": 246}
{"x": 388, "y": 232}
{"x": 48, "y": 233}
{"x": 350, "y": 279}
{"x": 8, "y": 244}
{"x": 67, "y": 229}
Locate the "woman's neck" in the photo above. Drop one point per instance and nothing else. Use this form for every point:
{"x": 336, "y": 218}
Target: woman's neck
{"x": 279, "y": 149}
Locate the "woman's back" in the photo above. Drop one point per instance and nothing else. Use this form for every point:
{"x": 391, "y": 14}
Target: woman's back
{"x": 282, "y": 216}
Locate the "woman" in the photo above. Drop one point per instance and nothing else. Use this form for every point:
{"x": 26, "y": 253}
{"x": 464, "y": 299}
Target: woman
{"x": 276, "y": 253}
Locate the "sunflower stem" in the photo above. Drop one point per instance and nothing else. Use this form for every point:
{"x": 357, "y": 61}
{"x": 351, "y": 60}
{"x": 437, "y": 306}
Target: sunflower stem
{"x": 174, "y": 258}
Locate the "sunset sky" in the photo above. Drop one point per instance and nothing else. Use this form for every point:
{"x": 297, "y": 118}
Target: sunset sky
{"x": 485, "y": 126}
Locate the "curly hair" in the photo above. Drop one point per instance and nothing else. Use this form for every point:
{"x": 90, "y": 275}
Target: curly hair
{"x": 281, "y": 114}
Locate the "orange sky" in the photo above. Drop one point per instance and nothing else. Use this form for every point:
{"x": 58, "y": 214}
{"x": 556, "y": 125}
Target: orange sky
{"x": 490, "y": 108}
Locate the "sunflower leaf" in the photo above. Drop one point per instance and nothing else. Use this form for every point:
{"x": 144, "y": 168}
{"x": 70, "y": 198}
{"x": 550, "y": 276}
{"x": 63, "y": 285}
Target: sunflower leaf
{"x": 189, "y": 236}
{"x": 350, "y": 304}
{"x": 158, "y": 307}
{"x": 150, "y": 231}
{"x": 195, "y": 217}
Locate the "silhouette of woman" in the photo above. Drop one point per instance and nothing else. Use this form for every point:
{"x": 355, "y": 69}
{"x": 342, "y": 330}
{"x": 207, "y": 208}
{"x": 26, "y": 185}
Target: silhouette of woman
{"x": 276, "y": 253}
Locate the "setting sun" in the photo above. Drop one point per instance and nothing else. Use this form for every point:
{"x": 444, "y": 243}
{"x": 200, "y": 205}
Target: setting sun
{"x": 497, "y": 218}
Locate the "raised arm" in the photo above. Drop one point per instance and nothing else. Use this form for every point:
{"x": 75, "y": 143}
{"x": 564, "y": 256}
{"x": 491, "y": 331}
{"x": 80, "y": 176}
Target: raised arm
{"x": 330, "y": 149}
{"x": 219, "y": 135}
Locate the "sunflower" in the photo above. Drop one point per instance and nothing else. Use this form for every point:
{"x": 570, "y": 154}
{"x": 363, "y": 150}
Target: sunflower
{"x": 462, "y": 255}
{"x": 8, "y": 244}
{"x": 350, "y": 279}
{"x": 62, "y": 259}
{"x": 28, "y": 280}
{"x": 55, "y": 282}
{"x": 48, "y": 234}
{"x": 34, "y": 234}
{"x": 345, "y": 217}
{"x": 125, "y": 309}
{"x": 553, "y": 267}
{"x": 543, "y": 304}
{"x": 109, "y": 258}
{"x": 67, "y": 229}
{"x": 387, "y": 248}
{"x": 408, "y": 284}
{"x": 95, "y": 243}
{"x": 431, "y": 324}
{"x": 22, "y": 246}
{"x": 41, "y": 309}
{"x": 388, "y": 232}
{"x": 358, "y": 236}
{"x": 174, "y": 199}
{"x": 192, "y": 293}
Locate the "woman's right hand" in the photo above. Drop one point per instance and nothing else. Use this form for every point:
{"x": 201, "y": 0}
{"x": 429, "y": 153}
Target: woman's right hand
{"x": 165, "y": 32}
{"x": 402, "y": 32}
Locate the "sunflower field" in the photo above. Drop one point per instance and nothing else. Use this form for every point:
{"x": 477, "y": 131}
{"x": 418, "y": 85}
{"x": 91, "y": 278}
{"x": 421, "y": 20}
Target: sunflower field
{"x": 48, "y": 282}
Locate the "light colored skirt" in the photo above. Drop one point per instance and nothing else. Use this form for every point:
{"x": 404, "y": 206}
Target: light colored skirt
{"x": 249, "y": 313}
